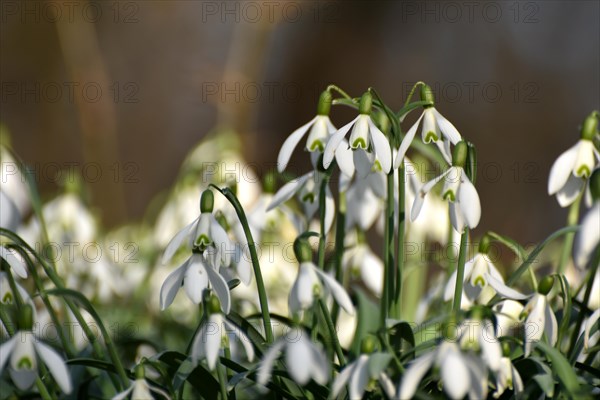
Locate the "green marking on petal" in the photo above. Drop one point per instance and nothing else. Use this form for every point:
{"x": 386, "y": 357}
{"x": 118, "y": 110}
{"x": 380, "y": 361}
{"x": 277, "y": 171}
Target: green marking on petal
{"x": 316, "y": 145}
{"x": 431, "y": 136}
{"x": 450, "y": 196}
{"x": 8, "y": 298}
{"x": 25, "y": 363}
{"x": 479, "y": 281}
{"x": 359, "y": 142}
{"x": 583, "y": 172}
{"x": 316, "y": 290}
{"x": 308, "y": 197}
{"x": 376, "y": 166}
{"x": 202, "y": 241}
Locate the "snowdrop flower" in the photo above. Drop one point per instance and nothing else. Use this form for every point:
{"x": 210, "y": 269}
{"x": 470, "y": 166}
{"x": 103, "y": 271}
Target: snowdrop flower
{"x": 203, "y": 232}
{"x": 361, "y": 372}
{"x": 310, "y": 281}
{"x": 15, "y": 260}
{"x": 365, "y": 265}
{"x": 476, "y": 271}
{"x": 196, "y": 274}
{"x": 465, "y": 207}
{"x": 365, "y": 135}
{"x": 436, "y": 128}
{"x": 320, "y": 130}
{"x": 307, "y": 187}
{"x": 6, "y": 294}
{"x": 539, "y": 316}
{"x": 460, "y": 374}
{"x": 507, "y": 377}
{"x": 140, "y": 389}
{"x": 588, "y": 237}
{"x": 479, "y": 335}
{"x": 23, "y": 352}
{"x": 214, "y": 334}
{"x": 508, "y": 313}
{"x": 571, "y": 168}
{"x": 366, "y": 193}
{"x": 304, "y": 360}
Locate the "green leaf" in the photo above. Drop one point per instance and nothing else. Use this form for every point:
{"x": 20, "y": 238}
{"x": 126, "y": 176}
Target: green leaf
{"x": 535, "y": 369}
{"x": 561, "y": 367}
{"x": 93, "y": 363}
{"x": 253, "y": 334}
{"x": 471, "y": 166}
{"x": 401, "y": 334}
{"x": 566, "y": 314}
{"x": 532, "y": 256}
{"x": 367, "y": 319}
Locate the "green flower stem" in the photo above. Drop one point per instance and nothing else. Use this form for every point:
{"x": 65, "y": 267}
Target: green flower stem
{"x": 340, "y": 91}
{"x": 41, "y": 387}
{"x": 412, "y": 92}
{"x": 572, "y": 219}
{"x": 460, "y": 270}
{"x": 8, "y": 324}
{"x": 57, "y": 281}
{"x": 66, "y": 344}
{"x": 388, "y": 253}
{"x": 260, "y": 284}
{"x": 13, "y": 286}
{"x": 333, "y": 333}
{"x": 397, "y": 305}
{"x": 222, "y": 380}
{"x": 595, "y": 264}
{"x": 340, "y": 233}
{"x": 322, "y": 240}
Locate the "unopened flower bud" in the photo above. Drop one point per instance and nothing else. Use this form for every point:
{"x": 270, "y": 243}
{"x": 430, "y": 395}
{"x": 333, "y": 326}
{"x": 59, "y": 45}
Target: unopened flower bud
{"x": 207, "y": 201}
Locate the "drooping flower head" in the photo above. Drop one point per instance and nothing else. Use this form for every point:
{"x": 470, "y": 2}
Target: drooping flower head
{"x": 320, "y": 129}
{"x": 24, "y": 351}
{"x": 365, "y": 136}
{"x": 465, "y": 207}
{"x": 571, "y": 169}
{"x": 436, "y": 128}
{"x": 311, "y": 282}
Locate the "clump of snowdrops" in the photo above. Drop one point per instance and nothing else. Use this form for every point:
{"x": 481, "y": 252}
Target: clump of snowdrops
{"x": 308, "y": 285}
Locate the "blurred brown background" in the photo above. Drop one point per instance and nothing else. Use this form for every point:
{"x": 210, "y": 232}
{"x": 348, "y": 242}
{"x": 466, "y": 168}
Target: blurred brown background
{"x": 121, "y": 90}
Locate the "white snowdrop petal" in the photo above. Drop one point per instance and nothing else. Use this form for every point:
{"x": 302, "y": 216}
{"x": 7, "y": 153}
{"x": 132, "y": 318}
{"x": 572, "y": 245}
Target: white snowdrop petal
{"x": 562, "y": 169}
{"x": 299, "y": 360}
{"x": 381, "y": 146}
{"x": 56, "y": 365}
{"x": 342, "y": 379}
{"x": 15, "y": 260}
{"x": 468, "y": 200}
{"x": 171, "y": 286}
{"x": 177, "y": 241}
{"x": 221, "y": 241}
{"x": 290, "y": 144}
{"x": 338, "y": 291}
{"x": 447, "y": 128}
{"x": 455, "y": 375}
{"x": 344, "y": 158}
{"x": 414, "y": 374}
{"x": 214, "y": 332}
{"x": 406, "y": 142}
{"x": 360, "y": 378}
{"x": 264, "y": 370}
{"x": 504, "y": 290}
{"x": 334, "y": 141}
{"x": 220, "y": 287}
{"x": 589, "y": 323}
{"x": 288, "y": 190}
{"x": 195, "y": 280}
{"x": 569, "y": 192}
{"x": 6, "y": 349}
